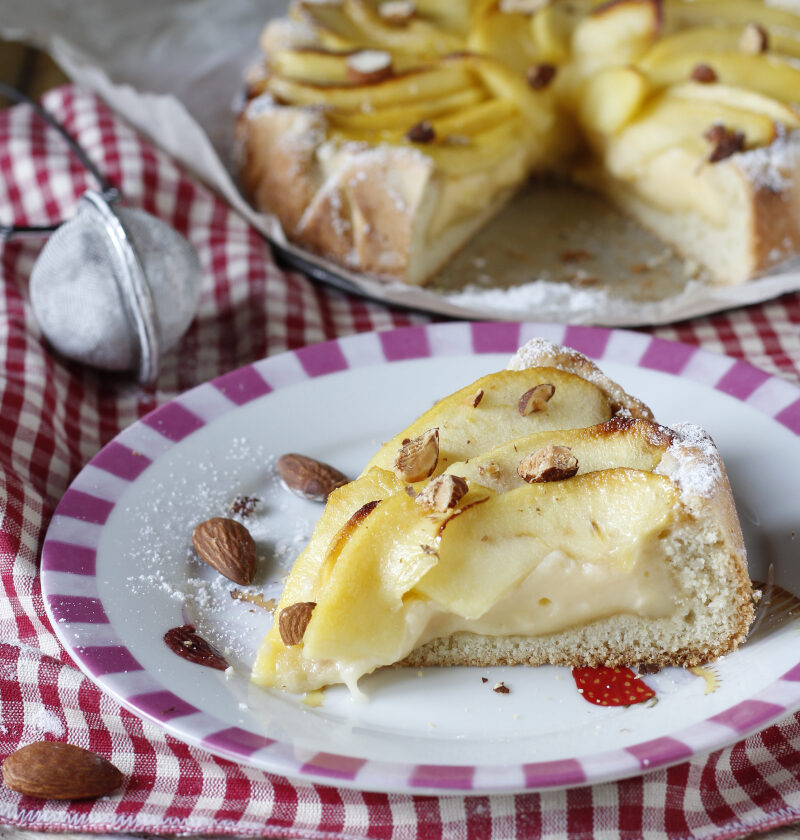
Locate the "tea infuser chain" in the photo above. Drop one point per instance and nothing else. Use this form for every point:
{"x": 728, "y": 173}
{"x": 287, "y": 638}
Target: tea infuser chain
{"x": 109, "y": 192}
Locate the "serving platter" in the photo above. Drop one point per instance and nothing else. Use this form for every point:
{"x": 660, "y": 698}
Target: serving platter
{"x": 118, "y": 570}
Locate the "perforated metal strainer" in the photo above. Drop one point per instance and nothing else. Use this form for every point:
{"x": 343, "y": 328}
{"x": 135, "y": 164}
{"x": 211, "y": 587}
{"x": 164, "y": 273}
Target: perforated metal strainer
{"x": 114, "y": 287}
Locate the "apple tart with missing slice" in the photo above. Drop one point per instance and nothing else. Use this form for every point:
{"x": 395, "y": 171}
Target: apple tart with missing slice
{"x": 384, "y": 134}
{"x": 538, "y": 516}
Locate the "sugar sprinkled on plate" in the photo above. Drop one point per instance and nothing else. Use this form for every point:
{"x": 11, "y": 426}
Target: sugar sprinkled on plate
{"x": 205, "y": 597}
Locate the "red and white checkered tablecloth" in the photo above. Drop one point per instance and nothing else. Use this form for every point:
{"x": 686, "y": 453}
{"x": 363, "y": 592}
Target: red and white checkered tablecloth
{"x": 55, "y": 415}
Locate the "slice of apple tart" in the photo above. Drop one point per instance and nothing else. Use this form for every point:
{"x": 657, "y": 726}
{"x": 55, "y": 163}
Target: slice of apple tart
{"x": 577, "y": 532}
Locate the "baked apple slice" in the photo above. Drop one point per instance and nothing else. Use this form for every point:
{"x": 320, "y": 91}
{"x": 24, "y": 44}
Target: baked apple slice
{"x": 420, "y": 85}
{"x": 671, "y": 122}
{"x": 738, "y": 98}
{"x": 616, "y": 33}
{"x": 402, "y": 117}
{"x": 357, "y": 24}
{"x": 619, "y": 442}
{"x": 682, "y": 14}
{"x": 486, "y": 410}
{"x": 505, "y": 37}
{"x": 609, "y": 518}
{"x": 708, "y": 40}
{"x": 551, "y": 30}
{"x": 611, "y": 98}
{"x": 768, "y": 74}
{"x": 478, "y": 417}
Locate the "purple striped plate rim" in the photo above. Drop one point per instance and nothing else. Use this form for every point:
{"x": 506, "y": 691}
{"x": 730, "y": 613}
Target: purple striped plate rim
{"x": 69, "y": 554}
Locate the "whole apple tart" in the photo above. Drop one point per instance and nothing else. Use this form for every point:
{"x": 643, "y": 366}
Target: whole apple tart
{"x": 382, "y": 135}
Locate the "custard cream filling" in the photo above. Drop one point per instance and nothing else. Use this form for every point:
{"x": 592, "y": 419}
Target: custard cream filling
{"x": 561, "y": 592}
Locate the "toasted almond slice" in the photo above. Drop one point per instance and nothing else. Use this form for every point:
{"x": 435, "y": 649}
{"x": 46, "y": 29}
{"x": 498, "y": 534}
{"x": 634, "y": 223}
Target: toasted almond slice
{"x": 754, "y": 40}
{"x": 398, "y": 12}
{"x": 551, "y": 463}
{"x": 724, "y": 141}
{"x": 539, "y": 76}
{"x": 417, "y": 458}
{"x": 536, "y": 398}
{"x": 491, "y": 470}
{"x": 522, "y": 7}
{"x": 369, "y": 66}
{"x": 443, "y": 493}
{"x": 476, "y": 398}
{"x": 421, "y": 132}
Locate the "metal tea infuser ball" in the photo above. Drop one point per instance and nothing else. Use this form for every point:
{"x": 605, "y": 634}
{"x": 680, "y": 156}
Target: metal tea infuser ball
{"x": 114, "y": 287}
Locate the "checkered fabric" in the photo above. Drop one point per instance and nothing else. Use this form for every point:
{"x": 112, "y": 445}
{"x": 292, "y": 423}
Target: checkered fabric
{"x": 55, "y": 415}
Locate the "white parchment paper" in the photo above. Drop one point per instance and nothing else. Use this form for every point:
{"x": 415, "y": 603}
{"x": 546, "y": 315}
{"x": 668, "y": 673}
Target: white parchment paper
{"x": 174, "y": 70}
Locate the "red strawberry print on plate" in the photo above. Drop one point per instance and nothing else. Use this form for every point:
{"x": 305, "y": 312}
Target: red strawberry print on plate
{"x": 611, "y": 686}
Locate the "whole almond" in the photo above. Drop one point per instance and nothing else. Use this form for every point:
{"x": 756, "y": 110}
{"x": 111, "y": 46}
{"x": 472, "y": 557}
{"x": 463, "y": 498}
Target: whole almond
{"x": 550, "y": 463}
{"x": 536, "y": 398}
{"x": 51, "y": 770}
{"x": 293, "y": 620}
{"x": 308, "y": 478}
{"x": 226, "y": 545}
{"x": 417, "y": 458}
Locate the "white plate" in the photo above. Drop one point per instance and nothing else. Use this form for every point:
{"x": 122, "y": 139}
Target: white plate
{"x": 118, "y": 570}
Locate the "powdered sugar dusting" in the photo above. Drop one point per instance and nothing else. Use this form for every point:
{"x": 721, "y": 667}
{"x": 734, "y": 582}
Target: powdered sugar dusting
{"x": 773, "y": 166}
{"x": 47, "y": 722}
{"x": 287, "y": 34}
{"x": 539, "y": 352}
{"x": 280, "y": 526}
{"x": 516, "y": 299}
{"x": 692, "y": 461}
{"x": 259, "y": 105}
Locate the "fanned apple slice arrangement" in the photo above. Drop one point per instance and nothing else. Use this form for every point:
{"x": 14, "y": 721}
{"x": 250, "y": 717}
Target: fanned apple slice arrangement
{"x": 384, "y": 133}
{"x": 537, "y": 516}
